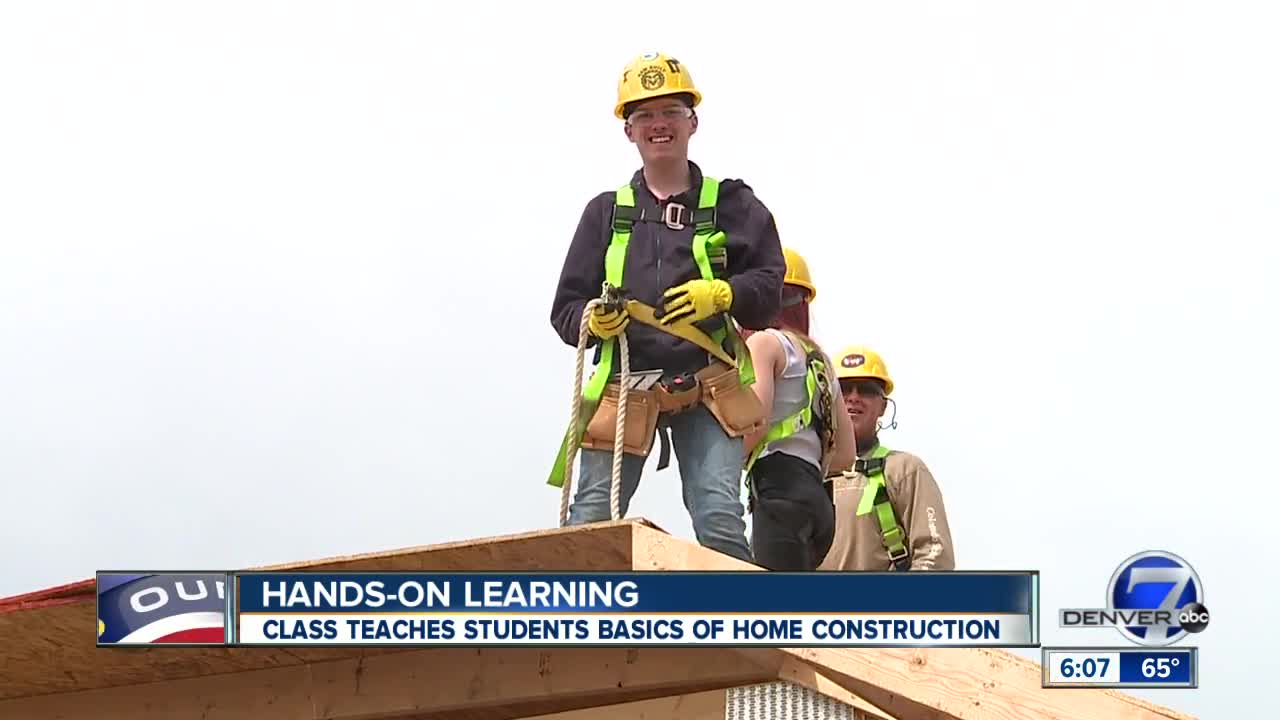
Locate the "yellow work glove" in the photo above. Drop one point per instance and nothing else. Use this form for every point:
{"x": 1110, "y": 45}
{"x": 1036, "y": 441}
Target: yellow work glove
{"x": 696, "y": 300}
{"x": 607, "y": 323}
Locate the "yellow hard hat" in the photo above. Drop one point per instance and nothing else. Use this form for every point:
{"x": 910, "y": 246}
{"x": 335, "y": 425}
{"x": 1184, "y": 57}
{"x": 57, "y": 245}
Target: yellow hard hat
{"x": 653, "y": 75}
{"x": 857, "y": 361}
{"x": 798, "y": 272}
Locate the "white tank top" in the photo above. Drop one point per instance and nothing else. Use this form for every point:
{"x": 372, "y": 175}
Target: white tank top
{"x": 790, "y": 397}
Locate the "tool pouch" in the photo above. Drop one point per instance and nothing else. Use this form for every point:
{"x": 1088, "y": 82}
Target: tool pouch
{"x": 679, "y": 400}
{"x": 641, "y": 422}
{"x": 734, "y": 405}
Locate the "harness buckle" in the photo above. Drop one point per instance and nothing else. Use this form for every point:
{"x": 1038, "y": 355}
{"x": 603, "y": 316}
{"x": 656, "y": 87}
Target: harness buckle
{"x": 623, "y": 217}
{"x": 901, "y": 560}
{"x": 895, "y": 536}
{"x": 673, "y": 215}
{"x": 868, "y": 466}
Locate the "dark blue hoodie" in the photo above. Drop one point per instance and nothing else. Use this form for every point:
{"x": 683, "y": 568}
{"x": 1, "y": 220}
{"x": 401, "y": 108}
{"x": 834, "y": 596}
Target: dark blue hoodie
{"x": 659, "y": 258}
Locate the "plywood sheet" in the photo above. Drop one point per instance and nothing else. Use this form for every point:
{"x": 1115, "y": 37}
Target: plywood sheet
{"x": 452, "y": 683}
{"x": 600, "y": 546}
{"x": 47, "y": 637}
{"x": 51, "y": 649}
{"x": 496, "y": 681}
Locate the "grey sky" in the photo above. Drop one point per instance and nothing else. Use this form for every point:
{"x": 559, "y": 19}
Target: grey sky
{"x": 272, "y": 289}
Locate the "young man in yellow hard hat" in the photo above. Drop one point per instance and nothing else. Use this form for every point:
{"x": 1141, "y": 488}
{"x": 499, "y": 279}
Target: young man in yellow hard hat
{"x": 703, "y": 256}
{"x": 889, "y": 509}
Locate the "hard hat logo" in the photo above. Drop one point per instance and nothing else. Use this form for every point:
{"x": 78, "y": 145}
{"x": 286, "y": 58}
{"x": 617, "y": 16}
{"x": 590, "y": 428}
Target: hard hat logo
{"x": 859, "y": 361}
{"x": 652, "y": 78}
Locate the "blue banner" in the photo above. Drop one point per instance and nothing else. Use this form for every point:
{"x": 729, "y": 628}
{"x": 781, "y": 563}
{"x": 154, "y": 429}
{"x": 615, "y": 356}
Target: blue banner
{"x": 638, "y": 592}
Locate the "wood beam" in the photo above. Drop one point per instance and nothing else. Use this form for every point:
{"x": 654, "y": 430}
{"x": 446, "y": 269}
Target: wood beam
{"x": 570, "y": 677}
{"x": 804, "y": 674}
{"x": 652, "y": 549}
{"x": 707, "y": 705}
{"x": 278, "y": 694}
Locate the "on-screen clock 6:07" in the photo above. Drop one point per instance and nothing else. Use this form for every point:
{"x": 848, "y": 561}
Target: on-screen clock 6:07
{"x": 1083, "y": 666}
{"x": 1119, "y": 667}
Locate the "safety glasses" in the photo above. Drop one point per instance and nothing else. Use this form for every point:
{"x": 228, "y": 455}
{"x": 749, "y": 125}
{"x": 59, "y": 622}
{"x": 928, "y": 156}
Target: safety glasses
{"x": 670, "y": 114}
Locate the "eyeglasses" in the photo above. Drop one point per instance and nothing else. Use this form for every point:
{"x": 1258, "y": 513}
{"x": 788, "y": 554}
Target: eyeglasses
{"x": 865, "y": 388}
{"x": 671, "y": 114}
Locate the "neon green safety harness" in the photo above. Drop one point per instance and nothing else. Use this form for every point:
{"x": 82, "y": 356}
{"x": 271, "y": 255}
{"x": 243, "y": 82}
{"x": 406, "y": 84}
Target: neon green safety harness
{"x": 876, "y": 497}
{"x": 709, "y": 254}
{"x": 817, "y": 383}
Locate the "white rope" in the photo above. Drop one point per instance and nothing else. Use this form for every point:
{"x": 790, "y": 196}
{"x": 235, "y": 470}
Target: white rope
{"x": 615, "y": 488}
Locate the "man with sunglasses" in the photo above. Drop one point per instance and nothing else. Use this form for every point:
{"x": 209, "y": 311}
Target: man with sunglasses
{"x": 703, "y": 257}
{"x": 889, "y": 509}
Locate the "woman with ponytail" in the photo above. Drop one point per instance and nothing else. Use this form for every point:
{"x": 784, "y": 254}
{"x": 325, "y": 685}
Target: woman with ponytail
{"x": 808, "y": 436}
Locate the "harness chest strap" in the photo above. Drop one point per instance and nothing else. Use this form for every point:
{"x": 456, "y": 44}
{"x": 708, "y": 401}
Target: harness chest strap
{"x": 875, "y": 497}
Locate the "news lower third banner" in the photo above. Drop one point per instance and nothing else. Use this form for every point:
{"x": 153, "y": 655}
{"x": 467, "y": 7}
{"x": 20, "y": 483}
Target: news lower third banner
{"x": 922, "y": 609}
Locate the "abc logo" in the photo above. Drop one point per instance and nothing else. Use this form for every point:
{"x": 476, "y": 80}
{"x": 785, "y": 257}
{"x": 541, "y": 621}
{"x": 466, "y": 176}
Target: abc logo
{"x": 1194, "y": 617}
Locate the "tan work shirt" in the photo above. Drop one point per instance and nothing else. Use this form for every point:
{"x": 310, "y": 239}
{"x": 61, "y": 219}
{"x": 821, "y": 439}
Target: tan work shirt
{"x": 917, "y": 503}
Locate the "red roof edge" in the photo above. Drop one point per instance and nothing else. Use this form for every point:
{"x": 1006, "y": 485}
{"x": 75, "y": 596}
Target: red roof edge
{"x": 76, "y": 592}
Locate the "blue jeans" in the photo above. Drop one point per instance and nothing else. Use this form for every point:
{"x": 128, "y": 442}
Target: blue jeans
{"x": 710, "y": 471}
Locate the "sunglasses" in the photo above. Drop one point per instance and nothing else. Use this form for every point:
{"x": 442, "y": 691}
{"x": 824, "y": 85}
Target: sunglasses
{"x": 865, "y": 388}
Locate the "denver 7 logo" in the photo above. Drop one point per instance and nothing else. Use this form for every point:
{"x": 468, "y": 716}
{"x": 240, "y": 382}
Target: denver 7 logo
{"x": 1157, "y": 581}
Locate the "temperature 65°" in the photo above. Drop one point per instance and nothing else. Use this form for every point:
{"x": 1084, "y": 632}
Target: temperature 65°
{"x": 1159, "y": 667}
